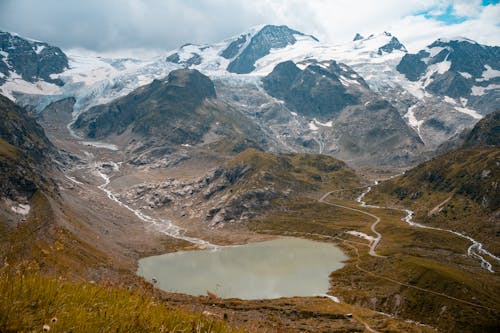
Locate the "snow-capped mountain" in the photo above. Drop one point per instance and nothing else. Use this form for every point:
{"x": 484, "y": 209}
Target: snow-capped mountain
{"x": 29, "y": 65}
{"x": 438, "y": 92}
{"x": 458, "y": 69}
{"x": 238, "y": 54}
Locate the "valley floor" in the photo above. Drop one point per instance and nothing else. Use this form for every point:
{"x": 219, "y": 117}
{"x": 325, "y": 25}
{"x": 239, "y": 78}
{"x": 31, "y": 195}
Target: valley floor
{"x": 397, "y": 275}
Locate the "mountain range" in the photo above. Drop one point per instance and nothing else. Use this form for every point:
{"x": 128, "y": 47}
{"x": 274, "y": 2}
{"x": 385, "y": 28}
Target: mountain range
{"x": 432, "y": 96}
{"x": 392, "y": 155}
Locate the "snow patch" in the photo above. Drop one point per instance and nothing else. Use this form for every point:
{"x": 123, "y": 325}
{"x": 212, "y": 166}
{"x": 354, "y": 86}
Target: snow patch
{"x": 412, "y": 119}
{"x": 16, "y": 84}
{"x": 312, "y": 126}
{"x": 465, "y": 75}
{"x": 22, "y": 209}
{"x": 347, "y": 82}
{"x": 469, "y": 112}
{"x": 39, "y": 48}
{"x": 479, "y": 91}
{"x": 327, "y": 124}
{"x": 449, "y": 100}
{"x": 332, "y": 298}
{"x": 360, "y": 235}
{"x": 98, "y": 144}
{"x": 489, "y": 74}
{"x": 433, "y": 51}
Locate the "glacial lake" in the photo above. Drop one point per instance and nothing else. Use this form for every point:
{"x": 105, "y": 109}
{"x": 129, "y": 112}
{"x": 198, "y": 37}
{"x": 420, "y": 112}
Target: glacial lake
{"x": 281, "y": 267}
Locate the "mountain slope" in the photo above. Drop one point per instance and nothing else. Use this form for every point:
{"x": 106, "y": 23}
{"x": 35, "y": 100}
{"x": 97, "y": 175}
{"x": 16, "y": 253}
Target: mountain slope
{"x": 458, "y": 68}
{"x": 31, "y": 60}
{"x": 249, "y": 185}
{"x": 452, "y": 190}
{"x": 354, "y": 123}
{"x": 485, "y": 133}
{"x": 320, "y": 90}
{"x": 260, "y": 45}
{"x": 25, "y": 153}
{"x": 179, "y": 110}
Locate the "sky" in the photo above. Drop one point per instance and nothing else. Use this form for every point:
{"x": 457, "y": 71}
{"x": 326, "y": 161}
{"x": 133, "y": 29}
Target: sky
{"x": 151, "y": 26}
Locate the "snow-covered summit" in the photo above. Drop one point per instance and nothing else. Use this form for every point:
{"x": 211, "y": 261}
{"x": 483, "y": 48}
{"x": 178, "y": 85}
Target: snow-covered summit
{"x": 240, "y": 53}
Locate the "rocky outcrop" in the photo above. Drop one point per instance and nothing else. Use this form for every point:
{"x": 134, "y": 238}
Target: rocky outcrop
{"x": 485, "y": 133}
{"x": 32, "y": 60}
{"x": 25, "y": 153}
{"x": 155, "y": 109}
{"x": 394, "y": 44}
{"x": 321, "y": 90}
{"x": 269, "y": 37}
{"x": 459, "y": 68}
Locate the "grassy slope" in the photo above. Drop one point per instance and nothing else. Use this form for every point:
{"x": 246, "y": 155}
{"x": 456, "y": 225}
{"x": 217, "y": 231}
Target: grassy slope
{"x": 30, "y": 301}
{"x": 468, "y": 178}
{"x": 415, "y": 258}
{"x": 299, "y": 173}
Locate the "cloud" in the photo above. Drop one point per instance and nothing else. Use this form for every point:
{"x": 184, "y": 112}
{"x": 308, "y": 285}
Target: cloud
{"x": 112, "y": 25}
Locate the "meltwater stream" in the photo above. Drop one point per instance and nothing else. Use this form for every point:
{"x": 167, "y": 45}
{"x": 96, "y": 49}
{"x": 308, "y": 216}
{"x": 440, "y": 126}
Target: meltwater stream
{"x": 282, "y": 267}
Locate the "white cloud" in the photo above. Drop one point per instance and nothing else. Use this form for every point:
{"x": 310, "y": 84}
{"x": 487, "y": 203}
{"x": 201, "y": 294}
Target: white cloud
{"x": 166, "y": 24}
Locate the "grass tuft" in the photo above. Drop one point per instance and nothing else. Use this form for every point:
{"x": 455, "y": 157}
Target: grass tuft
{"x": 35, "y": 303}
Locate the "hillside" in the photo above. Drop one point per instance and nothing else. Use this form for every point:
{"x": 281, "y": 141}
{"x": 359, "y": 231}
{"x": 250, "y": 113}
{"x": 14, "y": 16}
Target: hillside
{"x": 485, "y": 133}
{"x": 251, "y": 184}
{"x": 451, "y": 190}
{"x": 181, "y": 110}
{"x": 25, "y": 156}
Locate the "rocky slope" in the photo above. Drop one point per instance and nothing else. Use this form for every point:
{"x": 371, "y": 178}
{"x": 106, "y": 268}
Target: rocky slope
{"x": 320, "y": 90}
{"x": 268, "y": 38}
{"x": 354, "y": 123}
{"x": 28, "y": 60}
{"x": 25, "y": 154}
{"x": 439, "y": 92}
{"x": 485, "y": 133}
{"x": 180, "y": 110}
{"x": 251, "y": 185}
{"x": 457, "y": 68}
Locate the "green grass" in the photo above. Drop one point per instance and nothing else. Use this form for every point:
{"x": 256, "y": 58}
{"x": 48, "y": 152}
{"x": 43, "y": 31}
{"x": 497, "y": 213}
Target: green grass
{"x": 7, "y": 150}
{"x": 31, "y": 301}
{"x": 463, "y": 185}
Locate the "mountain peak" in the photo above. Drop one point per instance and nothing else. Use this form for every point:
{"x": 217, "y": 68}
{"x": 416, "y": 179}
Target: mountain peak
{"x": 382, "y": 42}
{"x": 458, "y": 39}
{"x": 247, "y": 50}
{"x": 357, "y": 37}
{"x": 32, "y": 60}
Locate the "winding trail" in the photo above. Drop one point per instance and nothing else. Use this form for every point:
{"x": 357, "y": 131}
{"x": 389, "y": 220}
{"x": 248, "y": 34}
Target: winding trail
{"x": 475, "y": 250}
{"x": 408, "y": 219}
{"x": 373, "y": 243}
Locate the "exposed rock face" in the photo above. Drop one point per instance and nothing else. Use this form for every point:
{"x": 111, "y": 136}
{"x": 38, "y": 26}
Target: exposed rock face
{"x": 267, "y": 38}
{"x": 357, "y": 37}
{"x": 412, "y": 66}
{"x": 25, "y": 153}
{"x": 394, "y": 44}
{"x": 485, "y": 133}
{"x": 31, "y": 60}
{"x": 232, "y": 50}
{"x": 458, "y": 68}
{"x": 316, "y": 91}
{"x": 150, "y": 109}
{"x": 170, "y": 115}
{"x": 195, "y": 59}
